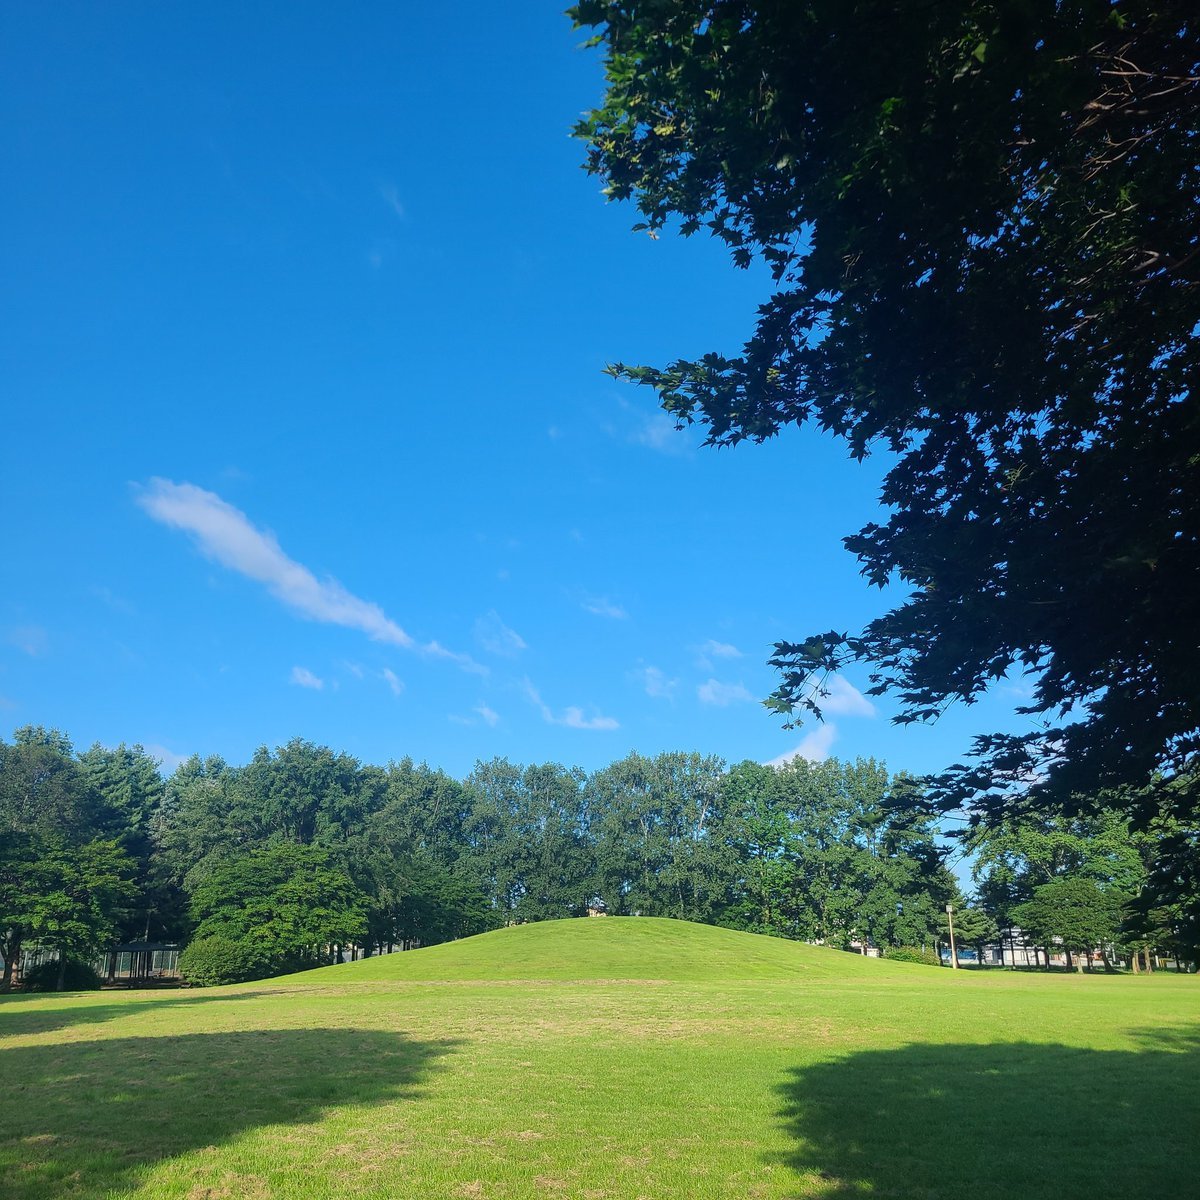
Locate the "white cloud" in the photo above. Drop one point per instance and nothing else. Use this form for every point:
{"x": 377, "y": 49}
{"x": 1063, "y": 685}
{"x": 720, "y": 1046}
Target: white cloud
{"x": 465, "y": 661}
{"x": 226, "y": 535}
{"x": 654, "y": 430}
{"x": 496, "y": 637}
{"x": 303, "y": 677}
{"x": 813, "y": 746}
{"x": 29, "y": 639}
{"x": 572, "y": 716}
{"x": 602, "y": 606}
{"x": 720, "y": 650}
{"x": 844, "y": 699}
{"x": 658, "y": 432}
{"x": 117, "y": 603}
{"x": 167, "y": 759}
{"x": 482, "y": 712}
{"x": 391, "y": 197}
{"x": 722, "y": 694}
{"x": 712, "y": 649}
{"x": 392, "y": 681}
{"x": 656, "y": 684}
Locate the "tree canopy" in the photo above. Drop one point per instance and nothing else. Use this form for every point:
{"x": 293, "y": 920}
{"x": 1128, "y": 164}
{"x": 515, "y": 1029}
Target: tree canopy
{"x": 981, "y": 221}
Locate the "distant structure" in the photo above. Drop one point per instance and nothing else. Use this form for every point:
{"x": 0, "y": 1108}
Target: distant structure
{"x": 597, "y": 908}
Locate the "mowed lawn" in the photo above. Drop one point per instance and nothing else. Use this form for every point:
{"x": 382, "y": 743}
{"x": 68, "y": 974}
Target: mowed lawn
{"x": 618, "y": 1058}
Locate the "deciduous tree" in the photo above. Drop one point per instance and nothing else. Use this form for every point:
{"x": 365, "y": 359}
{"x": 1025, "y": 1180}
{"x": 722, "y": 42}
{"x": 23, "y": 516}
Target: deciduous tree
{"x": 981, "y": 220}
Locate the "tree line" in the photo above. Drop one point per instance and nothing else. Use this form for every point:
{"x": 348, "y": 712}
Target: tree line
{"x": 285, "y": 861}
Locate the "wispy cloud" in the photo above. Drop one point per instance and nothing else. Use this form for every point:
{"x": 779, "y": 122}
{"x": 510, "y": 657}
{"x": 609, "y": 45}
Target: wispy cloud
{"x": 656, "y": 684}
{"x": 391, "y": 197}
{"x": 602, "y": 606}
{"x": 653, "y": 430}
{"x": 29, "y": 639}
{"x": 707, "y": 651}
{"x": 303, "y": 677}
{"x": 571, "y": 716}
{"x": 390, "y": 678}
{"x": 497, "y": 638}
{"x": 117, "y": 603}
{"x": 226, "y": 535}
{"x": 813, "y": 746}
{"x": 488, "y": 716}
{"x": 713, "y": 691}
{"x": 167, "y": 759}
{"x": 658, "y": 432}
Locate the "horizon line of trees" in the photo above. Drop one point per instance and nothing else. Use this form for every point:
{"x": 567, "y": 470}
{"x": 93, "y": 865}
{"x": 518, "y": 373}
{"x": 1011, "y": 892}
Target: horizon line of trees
{"x": 281, "y": 863}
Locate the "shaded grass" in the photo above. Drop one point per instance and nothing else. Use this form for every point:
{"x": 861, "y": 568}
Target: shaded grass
{"x": 635, "y": 1059}
{"x": 1017, "y": 1119}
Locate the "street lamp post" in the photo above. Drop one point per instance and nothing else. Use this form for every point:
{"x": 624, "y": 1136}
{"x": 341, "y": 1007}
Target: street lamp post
{"x": 950, "y": 922}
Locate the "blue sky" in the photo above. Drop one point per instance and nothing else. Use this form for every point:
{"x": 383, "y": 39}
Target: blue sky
{"x": 306, "y": 430}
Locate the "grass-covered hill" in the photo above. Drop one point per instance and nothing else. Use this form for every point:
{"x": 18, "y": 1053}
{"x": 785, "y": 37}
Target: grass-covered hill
{"x": 607, "y": 1060}
{"x": 613, "y": 948}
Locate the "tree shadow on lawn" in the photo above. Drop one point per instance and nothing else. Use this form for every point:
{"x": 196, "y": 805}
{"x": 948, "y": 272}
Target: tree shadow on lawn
{"x": 22, "y": 1015}
{"x": 77, "y": 1119}
{"x": 1002, "y": 1120}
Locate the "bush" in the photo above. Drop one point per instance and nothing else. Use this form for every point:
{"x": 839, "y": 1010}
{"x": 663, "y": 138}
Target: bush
{"x": 913, "y": 954}
{"x": 79, "y": 977}
{"x": 212, "y": 961}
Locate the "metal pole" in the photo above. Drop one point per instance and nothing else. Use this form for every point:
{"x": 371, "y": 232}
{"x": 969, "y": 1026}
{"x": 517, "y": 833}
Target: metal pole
{"x": 950, "y": 921}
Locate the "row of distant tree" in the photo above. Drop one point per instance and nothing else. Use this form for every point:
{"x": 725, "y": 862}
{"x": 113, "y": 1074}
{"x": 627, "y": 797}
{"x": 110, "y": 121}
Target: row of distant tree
{"x": 281, "y": 862}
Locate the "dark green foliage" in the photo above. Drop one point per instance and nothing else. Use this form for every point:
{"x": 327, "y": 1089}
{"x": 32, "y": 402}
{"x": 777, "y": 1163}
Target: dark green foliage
{"x": 825, "y": 852}
{"x": 74, "y": 976}
{"x": 289, "y": 861}
{"x": 215, "y": 960}
{"x": 913, "y": 954}
{"x": 1073, "y": 912}
{"x": 981, "y": 222}
{"x": 291, "y": 903}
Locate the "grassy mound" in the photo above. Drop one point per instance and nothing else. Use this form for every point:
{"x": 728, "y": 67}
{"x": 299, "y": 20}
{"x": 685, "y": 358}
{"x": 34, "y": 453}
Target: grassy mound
{"x": 619, "y": 1059}
{"x": 609, "y": 948}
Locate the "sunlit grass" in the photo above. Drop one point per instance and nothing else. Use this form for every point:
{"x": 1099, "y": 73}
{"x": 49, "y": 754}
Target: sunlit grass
{"x": 612, "y": 1058}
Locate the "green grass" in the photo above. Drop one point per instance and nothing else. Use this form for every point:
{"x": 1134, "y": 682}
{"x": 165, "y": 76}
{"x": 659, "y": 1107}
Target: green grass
{"x": 623, "y": 1058}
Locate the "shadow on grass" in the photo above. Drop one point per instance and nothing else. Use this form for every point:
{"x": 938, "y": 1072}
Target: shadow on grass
{"x": 1002, "y": 1120}
{"x": 79, "y": 1119}
{"x": 22, "y": 1015}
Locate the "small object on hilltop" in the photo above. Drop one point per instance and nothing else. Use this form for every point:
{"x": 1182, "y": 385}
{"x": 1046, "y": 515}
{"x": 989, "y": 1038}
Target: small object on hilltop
{"x": 597, "y": 908}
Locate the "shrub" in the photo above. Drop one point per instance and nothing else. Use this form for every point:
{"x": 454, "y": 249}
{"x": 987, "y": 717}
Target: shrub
{"x": 212, "y": 961}
{"x": 913, "y": 954}
{"x": 78, "y": 977}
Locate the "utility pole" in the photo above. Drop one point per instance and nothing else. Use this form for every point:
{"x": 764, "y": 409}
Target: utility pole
{"x": 950, "y": 921}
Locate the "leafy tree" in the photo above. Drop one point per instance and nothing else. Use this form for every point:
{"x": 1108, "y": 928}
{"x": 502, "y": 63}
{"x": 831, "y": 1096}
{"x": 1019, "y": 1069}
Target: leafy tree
{"x": 52, "y": 867}
{"x": 758, "y": 831}
{"x": 656, "y": 823}
{"x": 980, "y": 219}
{"x": 973, "y": 927}
{"x": 42, "y": 789}
{"x": 130, "y": 791}
{"x": 528, "y": 840}
{"x": 1017, "y": 855}
{"x": 74, "y": 898}
{"x": 19, "y": 852}
{"x": 292, "y": 902}
{"x": 1072, "y": 911}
